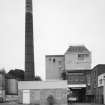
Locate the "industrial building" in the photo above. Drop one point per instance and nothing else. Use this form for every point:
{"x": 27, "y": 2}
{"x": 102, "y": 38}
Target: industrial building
{"x": 95, "y": 90}
{"x": 86, "y": 85}
{"x": 54, "y": 67}
{"x": 76, "y": 63}
{"x": 77, "y": 58}
{"x": 31, "y": 91}
{"x": 38, "y": 92}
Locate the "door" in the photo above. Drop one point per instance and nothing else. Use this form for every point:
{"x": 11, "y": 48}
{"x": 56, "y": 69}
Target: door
{"x": 26, "y": 96}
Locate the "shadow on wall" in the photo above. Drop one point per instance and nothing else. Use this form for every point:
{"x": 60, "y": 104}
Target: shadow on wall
{"x": 50, "y": 100}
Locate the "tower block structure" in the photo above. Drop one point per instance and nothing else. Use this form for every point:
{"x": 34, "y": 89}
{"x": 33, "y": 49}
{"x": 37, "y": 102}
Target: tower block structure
{"x": 29, "y": 43}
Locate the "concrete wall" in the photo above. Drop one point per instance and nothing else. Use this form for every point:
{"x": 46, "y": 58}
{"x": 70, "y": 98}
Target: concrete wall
{"x": 39, "y": 91}
{"x": 54, "y": 66}
{"x": 52, "y": 84}
{"x": 40, "y": 96}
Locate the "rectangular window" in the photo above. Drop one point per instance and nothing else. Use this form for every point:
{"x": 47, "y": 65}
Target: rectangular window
{"x": 100, "y": 81}
{"x": 82, "y": 56}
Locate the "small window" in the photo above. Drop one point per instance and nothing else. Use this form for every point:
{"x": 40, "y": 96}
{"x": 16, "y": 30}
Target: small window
{"x": 82, "y": 56}
{"x": 100, "y": 81}
{"x": 60, "y": 62}
{"x": 49, "y": 59}
{"x": 54, "y": 60}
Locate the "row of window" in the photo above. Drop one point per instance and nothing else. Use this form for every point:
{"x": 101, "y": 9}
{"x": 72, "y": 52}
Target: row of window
{"x": 54, "y": 60}
{"x": 80, "y": 57}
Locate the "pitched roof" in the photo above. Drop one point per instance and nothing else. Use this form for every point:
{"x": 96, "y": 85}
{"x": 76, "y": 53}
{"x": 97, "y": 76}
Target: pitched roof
{"x": 79, "y": 48}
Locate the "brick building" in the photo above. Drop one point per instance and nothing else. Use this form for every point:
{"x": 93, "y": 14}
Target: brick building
{"x": 96, "y": 89}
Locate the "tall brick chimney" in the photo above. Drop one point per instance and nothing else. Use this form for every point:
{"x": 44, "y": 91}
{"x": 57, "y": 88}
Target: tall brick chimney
{"x": 29, "y": 43}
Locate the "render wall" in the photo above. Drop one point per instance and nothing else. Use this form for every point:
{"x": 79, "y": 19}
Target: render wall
{"x": 72, "y": 62}
{"x": 39, "y": 96}
{"x": 54, "y": 67}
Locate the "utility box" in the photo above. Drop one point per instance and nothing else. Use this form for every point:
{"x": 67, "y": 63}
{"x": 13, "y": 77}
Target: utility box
{"x": 42, "y": 92}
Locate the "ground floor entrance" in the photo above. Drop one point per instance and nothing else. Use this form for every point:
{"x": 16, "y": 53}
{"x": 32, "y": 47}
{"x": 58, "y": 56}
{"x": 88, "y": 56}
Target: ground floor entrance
{"x": 77, "y": 95}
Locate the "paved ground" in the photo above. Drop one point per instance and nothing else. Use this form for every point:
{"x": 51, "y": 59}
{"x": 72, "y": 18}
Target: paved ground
{"x": 13, "y": 103}
{"x": 85, "y": 104}
{"x": 10, "y": 103}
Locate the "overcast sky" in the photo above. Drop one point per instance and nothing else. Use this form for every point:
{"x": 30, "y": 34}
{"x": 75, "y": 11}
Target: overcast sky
{"x": 57, "y": 25}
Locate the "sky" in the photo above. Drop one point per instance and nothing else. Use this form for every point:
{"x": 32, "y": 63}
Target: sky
{"x": 57, "y": 25}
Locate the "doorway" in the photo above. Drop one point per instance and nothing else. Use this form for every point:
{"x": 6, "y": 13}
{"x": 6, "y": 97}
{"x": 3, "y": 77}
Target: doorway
{"x": 26, "y": 96}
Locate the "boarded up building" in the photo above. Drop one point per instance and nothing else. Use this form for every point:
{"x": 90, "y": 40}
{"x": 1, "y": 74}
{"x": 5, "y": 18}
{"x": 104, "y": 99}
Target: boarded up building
{"x": 37, "y": 92}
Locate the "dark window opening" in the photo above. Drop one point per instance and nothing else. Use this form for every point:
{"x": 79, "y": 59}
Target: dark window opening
{"x": 54, "y": 60}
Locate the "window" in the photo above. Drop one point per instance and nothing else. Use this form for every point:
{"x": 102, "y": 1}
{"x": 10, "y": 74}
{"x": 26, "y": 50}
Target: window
{"x": 49, "y": 59}
{"x": 82, "y": 56}
{"x": 54, "y": 60}
{"x": 100, "y": 81}
{"x": 60, "y": 62}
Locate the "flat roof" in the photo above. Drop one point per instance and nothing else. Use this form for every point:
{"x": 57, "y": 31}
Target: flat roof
{"x": 55, "y": 84}
{"x": 54, "y": 55}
